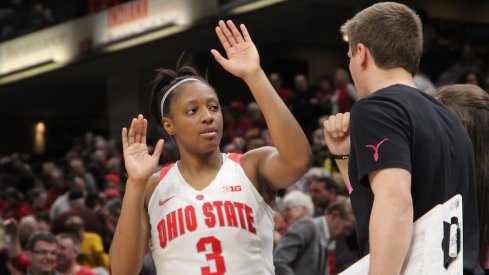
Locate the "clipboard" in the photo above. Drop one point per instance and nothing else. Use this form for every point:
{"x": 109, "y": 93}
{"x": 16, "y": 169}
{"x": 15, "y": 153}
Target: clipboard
{"x": 436, "y": 244}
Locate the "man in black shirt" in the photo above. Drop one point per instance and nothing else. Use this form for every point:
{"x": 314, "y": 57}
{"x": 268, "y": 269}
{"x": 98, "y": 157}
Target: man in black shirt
{"x": 407, "y": 152}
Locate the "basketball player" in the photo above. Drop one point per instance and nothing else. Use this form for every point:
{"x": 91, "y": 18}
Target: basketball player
{"x": 209, "y": 213}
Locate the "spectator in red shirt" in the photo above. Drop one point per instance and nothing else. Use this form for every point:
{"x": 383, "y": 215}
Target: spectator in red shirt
{"x": 236, "y": 121}
{"x": 11, "y": 204}
{"x": 37, "y": 202}
{"x": 58, "y": 186}
{"x": 285, "y": 94}
{"x": 346, "y": 93}
{"x": 324, "y": 94}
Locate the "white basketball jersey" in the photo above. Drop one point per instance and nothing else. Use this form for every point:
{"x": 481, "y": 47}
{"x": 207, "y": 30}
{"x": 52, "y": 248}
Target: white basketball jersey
{"x": 225, "y": 228}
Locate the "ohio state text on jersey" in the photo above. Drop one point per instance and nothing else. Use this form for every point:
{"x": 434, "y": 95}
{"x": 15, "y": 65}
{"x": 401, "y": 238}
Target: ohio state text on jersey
{"x": 226, "y": 228}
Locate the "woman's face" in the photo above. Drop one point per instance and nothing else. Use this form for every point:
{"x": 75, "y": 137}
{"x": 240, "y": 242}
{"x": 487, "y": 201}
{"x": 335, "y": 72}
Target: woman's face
{"x": 293, "y": 212}
{"x": 196, "y": 119}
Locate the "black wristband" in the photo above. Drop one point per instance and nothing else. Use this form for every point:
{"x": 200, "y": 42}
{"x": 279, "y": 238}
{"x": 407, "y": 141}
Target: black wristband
{"x": 340, "y": 156}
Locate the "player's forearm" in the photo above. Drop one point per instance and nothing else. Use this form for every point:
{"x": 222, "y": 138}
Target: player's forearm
{"x": 286, "y": 133}
{"x": 390, "y": 231}
{"x": 130, "y": 238}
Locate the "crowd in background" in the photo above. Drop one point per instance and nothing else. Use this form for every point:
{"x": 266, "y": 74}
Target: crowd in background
{"x": 20, "y": 17}
{"x": 75, "y": 201}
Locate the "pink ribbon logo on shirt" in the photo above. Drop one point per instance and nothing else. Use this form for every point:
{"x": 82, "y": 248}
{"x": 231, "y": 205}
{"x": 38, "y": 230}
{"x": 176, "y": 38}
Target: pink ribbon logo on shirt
{"x": 376, "y": 148}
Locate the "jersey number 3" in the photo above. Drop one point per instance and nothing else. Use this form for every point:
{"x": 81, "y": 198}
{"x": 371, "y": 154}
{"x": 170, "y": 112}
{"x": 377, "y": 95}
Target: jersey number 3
{"x": 213, "y": 255}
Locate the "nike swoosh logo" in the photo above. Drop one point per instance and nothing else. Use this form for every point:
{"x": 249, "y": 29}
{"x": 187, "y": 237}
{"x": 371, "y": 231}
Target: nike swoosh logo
{"x": 165, "y": 201}
{"x": 376, "y": 148}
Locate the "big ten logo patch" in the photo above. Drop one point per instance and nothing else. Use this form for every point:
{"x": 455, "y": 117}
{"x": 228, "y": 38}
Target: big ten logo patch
{"x": 231, "y": 188}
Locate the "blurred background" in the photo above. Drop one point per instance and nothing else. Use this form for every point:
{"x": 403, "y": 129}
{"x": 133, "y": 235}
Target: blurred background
{"x": 75, "y": 66}
{"x": 74, "y": 72}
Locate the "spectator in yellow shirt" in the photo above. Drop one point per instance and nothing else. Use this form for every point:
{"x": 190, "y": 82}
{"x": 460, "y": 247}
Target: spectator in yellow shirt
{"x": 92, "y": 253}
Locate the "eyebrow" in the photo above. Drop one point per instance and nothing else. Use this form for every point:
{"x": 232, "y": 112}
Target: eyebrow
{"x": 207, "y": 100}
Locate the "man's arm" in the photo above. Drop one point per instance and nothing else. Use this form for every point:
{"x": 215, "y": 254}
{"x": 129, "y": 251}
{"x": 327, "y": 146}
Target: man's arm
{"x": 18, "y": 259}
{"x": 343, "y": 168}
{"x": 391, "y": 220}
{"x": 337, "y": 137}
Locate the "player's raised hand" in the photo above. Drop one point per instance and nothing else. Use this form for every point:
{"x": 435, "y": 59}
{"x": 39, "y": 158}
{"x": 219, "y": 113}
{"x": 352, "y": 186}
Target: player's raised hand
{"x": 140, "y": 165}
{"x": 242, "y": 56}
{"x": 337, "y": 133}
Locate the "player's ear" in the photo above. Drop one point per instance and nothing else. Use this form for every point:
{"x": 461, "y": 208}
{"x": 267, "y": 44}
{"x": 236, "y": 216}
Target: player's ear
{"x": 168, "y": 126}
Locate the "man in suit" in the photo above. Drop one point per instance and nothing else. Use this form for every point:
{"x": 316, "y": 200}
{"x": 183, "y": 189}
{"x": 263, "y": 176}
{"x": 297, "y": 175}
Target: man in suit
{"x": 305, "y": 247}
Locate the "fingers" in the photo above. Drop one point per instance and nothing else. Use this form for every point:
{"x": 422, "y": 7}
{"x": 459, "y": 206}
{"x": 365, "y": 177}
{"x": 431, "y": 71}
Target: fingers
{"x": 124, "y": 139}
{"x": 11, "y": 226}
{"x": 10, "y": 223}
{"x": 139, "y": 128}
{"x": 224, "y": 41}
{"x": 218, "y": 57}
{"x": 158, "y": 149}
{"x": 144, "y": 131}
{"x": 131, "y": 137}
{"x": 235, "y": 31}
{"x": 345, "y": 123}
{"x": 245, "y": 32}
{"x": 137, "y": 132}
{"x": 227, "y": 32}
{"x": 229, "y": 35}
{"x": 338, "y": 121}
{"x": 337, "y": 125}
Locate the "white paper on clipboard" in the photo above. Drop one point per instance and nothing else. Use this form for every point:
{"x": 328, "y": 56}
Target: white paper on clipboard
{"x": 425, "y": 255}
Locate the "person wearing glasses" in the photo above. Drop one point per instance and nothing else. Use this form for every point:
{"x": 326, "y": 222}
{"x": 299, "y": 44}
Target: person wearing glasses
{"x": 40, "y": 254}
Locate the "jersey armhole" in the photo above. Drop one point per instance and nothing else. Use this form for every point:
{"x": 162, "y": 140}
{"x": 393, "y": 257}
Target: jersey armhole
{"x": 154, "y": 186}
{"x": 235, "y": 157}
{"x": 165, "y": 170}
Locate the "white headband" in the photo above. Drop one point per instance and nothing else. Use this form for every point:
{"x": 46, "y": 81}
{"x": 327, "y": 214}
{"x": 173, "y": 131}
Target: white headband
{"x": 173, "y": 88}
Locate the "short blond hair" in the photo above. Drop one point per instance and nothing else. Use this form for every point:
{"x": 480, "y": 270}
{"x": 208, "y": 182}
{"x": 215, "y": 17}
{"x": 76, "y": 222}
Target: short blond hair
{"x": 391, "y": 31}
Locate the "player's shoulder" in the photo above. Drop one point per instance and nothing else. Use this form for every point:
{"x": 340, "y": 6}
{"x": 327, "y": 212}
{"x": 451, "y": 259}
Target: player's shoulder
{"x": 151, "y": 185}
{"x": 155, "y": 180}
{"x": 235, "y": 157}
{"x": 164, "y": 170}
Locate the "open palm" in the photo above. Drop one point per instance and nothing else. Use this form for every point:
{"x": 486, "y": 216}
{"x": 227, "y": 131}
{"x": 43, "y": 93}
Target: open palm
{"x": 242, "y": 55}
{"x": 140, "y": 165}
